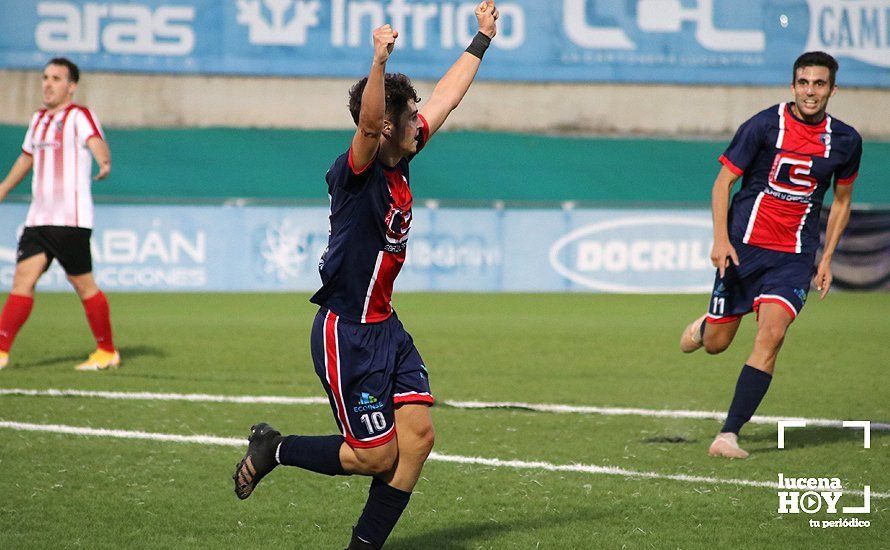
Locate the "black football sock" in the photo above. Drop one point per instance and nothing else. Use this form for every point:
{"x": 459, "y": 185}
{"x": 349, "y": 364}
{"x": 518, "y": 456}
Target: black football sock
{"x": 316, "y": 453}
{"x": 382, "y": 510}
{"x": 749, "y": 391}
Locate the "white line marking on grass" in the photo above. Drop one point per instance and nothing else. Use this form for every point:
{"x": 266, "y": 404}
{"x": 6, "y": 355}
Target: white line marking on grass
{"x": 662, "y": 413}
{"x": 537, "y": 407}
{"x": 148, "y": 396}
{"x": 437, "y": 457}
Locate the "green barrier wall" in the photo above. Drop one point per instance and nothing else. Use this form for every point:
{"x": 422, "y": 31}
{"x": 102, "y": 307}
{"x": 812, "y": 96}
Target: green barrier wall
{"x": 210, "y": 165}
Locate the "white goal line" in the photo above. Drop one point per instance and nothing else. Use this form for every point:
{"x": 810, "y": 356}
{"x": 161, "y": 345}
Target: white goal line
{"x": 437, "y": 457}
{"x": 537, "y": 407}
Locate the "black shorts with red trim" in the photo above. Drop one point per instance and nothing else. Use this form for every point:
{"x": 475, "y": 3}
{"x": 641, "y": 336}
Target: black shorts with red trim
{"x": 367, "y": 370}
{"x": 762, "y": 276}
{"x": 69, "y": 245}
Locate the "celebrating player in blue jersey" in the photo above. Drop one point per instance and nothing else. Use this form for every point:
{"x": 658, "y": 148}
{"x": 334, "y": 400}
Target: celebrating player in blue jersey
{"x": 376, "y": 382}
{"x": 765, "y": 245}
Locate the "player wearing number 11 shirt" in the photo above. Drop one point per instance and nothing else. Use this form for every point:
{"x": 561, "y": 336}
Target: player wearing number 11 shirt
{"x": 765, "y": 243}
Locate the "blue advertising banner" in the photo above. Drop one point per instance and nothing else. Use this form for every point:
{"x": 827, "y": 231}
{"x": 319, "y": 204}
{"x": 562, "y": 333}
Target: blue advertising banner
{"x": 219, "y": 248}
{"x": 682, "y": 41}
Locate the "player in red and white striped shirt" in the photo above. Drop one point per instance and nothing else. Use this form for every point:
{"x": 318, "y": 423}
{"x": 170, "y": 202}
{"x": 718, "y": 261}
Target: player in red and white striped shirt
{"x": 60, "y": 145}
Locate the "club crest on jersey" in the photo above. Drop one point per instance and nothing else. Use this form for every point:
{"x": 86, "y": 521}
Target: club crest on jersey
{"x": 398, "y": 223}
{"x": 825, "y": 139}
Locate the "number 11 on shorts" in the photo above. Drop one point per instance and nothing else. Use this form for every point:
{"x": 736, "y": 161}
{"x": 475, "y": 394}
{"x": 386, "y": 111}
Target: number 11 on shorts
{"x": 374, "y": 422}
{"x": 716, "y": 306}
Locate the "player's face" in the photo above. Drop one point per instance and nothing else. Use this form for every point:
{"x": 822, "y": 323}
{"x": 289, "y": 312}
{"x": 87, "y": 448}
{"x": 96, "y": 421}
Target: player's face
{"x": 812, "y": 89}
{"x": 409, "y": 128}
{"x": 58, "y": 89}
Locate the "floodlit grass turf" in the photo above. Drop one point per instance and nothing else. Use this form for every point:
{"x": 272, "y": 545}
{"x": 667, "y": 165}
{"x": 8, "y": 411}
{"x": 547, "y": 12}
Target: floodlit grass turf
{"x": 581, "y": 349}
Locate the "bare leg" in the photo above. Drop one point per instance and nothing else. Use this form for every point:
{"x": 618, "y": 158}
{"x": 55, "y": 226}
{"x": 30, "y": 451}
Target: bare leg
{"x": 772, "y": 324}
{"x": 84, "y": 285}
{"x": 27, "y": 273}
{"x": 716, "y": 338}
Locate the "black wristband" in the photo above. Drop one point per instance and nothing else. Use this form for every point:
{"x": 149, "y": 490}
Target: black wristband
{"x": 479, "y": 44}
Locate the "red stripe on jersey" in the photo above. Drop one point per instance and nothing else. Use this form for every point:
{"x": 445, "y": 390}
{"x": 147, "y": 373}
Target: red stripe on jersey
{"x": 59, "y": 168}
{"x": 40, "y": 161}
{"x": 848, "y": 181}
{"x": 777, "y": 224}
{"x": 730, "y": 166}
{"x": 89, "y": 116}
{"x": 806, "y": 139}
{"x": 389, "y": 264}
{"x": 76, "y": 175}
{"x": 379, "y": 308}
{"x": 332, "y": 370}
{"x": 364, "y": 168}
{"x": 27, "y": 153}
{"x": 398, "y": 189}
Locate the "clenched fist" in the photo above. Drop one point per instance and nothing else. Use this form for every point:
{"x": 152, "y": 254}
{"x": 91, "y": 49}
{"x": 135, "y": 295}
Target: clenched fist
{"x": 384, "y": 42}
{"x": 487, "y": 15}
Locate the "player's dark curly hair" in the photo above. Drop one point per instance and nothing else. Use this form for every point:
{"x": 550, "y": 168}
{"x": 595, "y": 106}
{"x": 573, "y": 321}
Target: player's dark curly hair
{"x": 399, "y": 91}
{"x": 816, "y": 59}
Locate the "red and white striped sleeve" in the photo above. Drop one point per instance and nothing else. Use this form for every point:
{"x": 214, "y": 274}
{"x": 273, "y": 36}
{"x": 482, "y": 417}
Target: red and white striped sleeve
{"x": 88, "y": 126}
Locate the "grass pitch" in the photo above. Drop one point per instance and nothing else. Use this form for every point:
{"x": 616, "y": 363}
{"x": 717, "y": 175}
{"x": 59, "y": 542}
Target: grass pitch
{"x": 99, "y": 492}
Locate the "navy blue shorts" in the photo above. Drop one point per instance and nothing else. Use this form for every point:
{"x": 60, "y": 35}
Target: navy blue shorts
{"x": 367, "y": 371}
{"x": 763, "y": 276}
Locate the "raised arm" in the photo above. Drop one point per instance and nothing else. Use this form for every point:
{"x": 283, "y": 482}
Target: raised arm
{"x": 102, "y": 156}
{"x": 722, "y": 251}
{"x": 837, "y": 222}
{"x": 451, "y": 89}
{"x": 370, "y": 120}
{"x": 17, "y": 173}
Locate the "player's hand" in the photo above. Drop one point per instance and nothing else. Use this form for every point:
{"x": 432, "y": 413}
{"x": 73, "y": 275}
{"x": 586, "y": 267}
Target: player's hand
{"x": 384, "y": 42}
{"x": 104, "y": 170}
{"x": 721, "y": 254}
{"x": 823, "y": 278}
{"x": 487, "y": 14}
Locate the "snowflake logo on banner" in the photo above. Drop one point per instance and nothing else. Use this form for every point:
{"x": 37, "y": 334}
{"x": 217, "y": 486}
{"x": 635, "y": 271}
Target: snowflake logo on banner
{"x": 284, "y": 250}
{"x": 287, "y": 23}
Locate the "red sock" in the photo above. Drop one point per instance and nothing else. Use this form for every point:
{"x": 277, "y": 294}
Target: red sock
{"x": 99, "y": 317}
{"x": 14, "y": 315}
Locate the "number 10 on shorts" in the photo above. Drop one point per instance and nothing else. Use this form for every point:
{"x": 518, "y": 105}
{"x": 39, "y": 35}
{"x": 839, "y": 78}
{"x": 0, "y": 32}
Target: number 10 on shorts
{"x": 375, "y": 422}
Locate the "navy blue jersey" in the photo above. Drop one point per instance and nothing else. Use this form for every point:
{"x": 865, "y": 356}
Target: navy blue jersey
{"x": 369, "y": 224}
{"x": 787, "y": 165}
